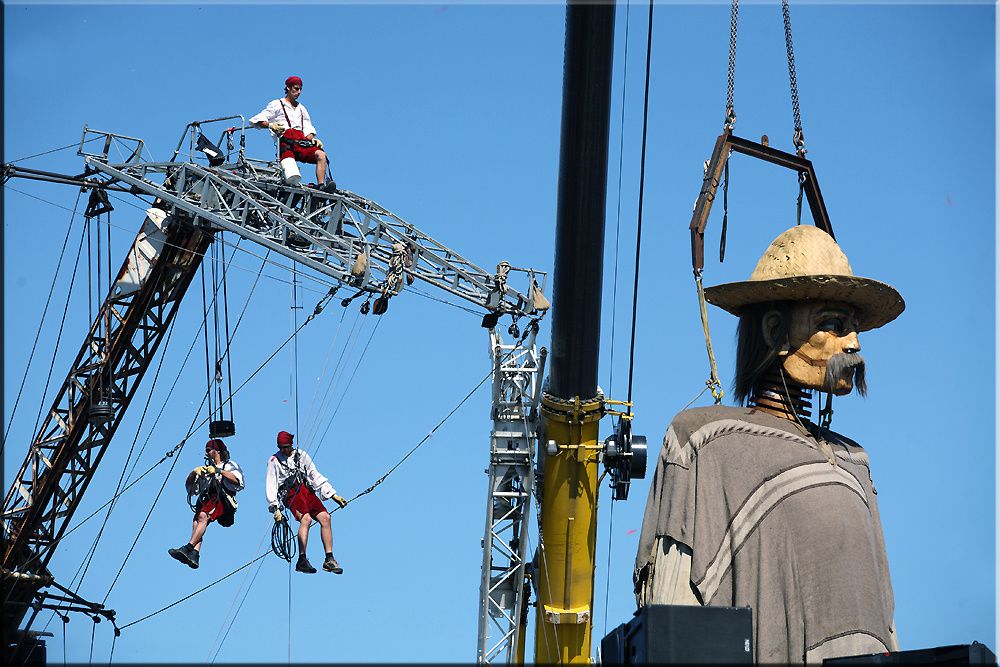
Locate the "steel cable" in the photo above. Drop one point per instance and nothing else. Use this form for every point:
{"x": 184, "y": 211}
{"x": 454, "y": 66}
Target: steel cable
{"x": 350, "y": 380}
{"x": 365, "y": 492}
{"x": 45, "y": 311}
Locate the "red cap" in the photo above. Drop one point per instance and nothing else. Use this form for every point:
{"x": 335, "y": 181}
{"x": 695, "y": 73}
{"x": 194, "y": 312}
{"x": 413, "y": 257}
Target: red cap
{"x": 285, "y": 438}
{"x": 217, "y": 444}
{"x": 293, "y": 81}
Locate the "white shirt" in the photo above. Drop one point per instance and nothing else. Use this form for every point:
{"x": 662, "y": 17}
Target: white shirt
{"x": 298, "y": 117}
{"x": 281, "y": 467}
{"x": 229, "y": 485}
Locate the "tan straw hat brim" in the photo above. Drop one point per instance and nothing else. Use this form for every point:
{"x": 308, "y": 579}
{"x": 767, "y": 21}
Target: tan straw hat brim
{"x": 877, "y": 302}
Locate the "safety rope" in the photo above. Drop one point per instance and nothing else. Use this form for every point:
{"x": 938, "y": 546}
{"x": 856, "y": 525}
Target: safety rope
{"x": 283, "y": 539}
{"x": 713, "y": 380}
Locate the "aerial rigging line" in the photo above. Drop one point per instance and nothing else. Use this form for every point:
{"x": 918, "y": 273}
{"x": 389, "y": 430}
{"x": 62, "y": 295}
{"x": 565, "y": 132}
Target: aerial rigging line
{"x": 232, "y": 620}
{"x": 295, "y": 349}
{"x": 54, "y": 150}
{"x": 122, "y": 476}
{"x": 314, "y": 417}
{"x": 318, "y": 309}
{"x": 614, "y": 287}
{"x": 618, "y": 218}
{"x": 363, "y": 493}
{"x": 163, "y": 403}
{"x": 177, "y": 448}
{"x": 200, "y": 590}
{"x": 302, "y": 274}
{"x": 152, "y": 505}
{"x": 45, "y": 310}
{"x": 642, "y": 183}
{"x": 348, "y": 386}
{"x": 62, "y": 322}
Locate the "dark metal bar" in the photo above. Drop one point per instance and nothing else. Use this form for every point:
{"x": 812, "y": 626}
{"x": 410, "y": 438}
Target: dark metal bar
{"x": 713, "y": 174}
{"x": 10, "y": 171}
{"x": 583, "y": 165}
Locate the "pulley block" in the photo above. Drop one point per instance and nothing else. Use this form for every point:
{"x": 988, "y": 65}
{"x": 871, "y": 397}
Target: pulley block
{"x": 624, "y": 458}
{"x": 101, "y": 412}
{"x": 221, "y": 428}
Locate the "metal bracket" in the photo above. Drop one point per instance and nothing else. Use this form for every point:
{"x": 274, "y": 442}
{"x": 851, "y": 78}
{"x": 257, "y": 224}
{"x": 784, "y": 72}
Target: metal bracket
{"x": 724, "y": 146}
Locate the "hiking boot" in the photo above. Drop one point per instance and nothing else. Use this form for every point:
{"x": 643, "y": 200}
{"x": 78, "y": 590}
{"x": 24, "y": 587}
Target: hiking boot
{"x": 187, "y": 554}
{"x": 303, "y": 565}
{"x": 331, "y": 565}
{"x": 329, "y": 187}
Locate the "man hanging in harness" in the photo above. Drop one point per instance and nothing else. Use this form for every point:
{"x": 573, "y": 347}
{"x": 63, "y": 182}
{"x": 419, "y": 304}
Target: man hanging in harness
{"x": 291, "y": 124}
{"x": 292, "y": 479}
{"x": 214, "y": 486}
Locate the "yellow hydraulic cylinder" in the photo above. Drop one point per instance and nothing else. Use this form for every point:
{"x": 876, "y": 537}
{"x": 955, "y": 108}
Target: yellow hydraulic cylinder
{"x": 568, "y": 531}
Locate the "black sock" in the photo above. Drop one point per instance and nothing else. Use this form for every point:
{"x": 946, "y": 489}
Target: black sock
{"x": 329, "y": 554}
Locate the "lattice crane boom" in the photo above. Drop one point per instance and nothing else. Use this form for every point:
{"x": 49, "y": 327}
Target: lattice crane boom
{"x": 350, "y": 239}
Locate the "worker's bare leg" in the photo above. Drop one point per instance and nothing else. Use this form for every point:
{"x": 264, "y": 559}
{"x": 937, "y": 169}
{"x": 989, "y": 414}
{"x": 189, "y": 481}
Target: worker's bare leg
{"x": 320, "y": 167}
{"x": 325, "y": 531}
{"x": 304, "y": 523}
{"x": 198, "y": 528}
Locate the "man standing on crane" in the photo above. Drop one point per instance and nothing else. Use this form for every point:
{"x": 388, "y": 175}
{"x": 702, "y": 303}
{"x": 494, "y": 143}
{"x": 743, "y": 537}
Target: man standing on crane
{"x": 758, "y": 505}
{"x": 215, "y": 485}
{"x": 293, "y": 478}
{"x": 288, "y": 119}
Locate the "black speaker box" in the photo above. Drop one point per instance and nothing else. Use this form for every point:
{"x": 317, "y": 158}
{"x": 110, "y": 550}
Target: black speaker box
{"x": 682, "y": 634}
{"x": 961, "y": 654}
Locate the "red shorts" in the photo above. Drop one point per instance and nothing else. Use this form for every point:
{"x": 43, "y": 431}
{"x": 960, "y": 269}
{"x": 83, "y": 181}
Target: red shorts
{"x": 302, "y": 500}
{"x": 213, "y": 507}
{"x": 288, "y": 146}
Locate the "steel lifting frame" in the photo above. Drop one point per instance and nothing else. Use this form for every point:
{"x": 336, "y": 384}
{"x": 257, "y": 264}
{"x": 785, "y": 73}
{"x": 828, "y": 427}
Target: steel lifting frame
{"x": 518, "y": 371}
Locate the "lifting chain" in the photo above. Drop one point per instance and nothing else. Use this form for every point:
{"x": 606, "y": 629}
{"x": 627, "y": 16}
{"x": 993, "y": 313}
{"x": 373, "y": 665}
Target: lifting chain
{"x": 797, "y": 137}
{"x": 730, "y": 107}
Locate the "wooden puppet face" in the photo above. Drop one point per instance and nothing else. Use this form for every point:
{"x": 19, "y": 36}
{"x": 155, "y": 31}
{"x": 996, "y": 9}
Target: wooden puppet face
{"x": 819, "y": 331}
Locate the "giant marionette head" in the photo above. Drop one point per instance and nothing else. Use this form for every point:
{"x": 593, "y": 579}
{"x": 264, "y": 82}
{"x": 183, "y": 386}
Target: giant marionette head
{"x": 801, "y": 310}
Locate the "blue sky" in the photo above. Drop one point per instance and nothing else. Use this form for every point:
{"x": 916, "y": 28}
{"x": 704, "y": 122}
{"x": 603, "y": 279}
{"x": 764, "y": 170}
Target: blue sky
{"x": 448, "y": 115}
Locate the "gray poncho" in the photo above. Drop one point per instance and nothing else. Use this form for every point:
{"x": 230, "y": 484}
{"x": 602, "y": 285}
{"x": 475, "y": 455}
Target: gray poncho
{"x": 773, "y": 524}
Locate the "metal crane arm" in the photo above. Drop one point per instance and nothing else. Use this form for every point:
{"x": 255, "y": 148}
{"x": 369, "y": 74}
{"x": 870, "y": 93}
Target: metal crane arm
{"x": 324, "y": 231}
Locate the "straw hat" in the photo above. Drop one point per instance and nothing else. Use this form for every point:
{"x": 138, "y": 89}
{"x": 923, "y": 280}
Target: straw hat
{"x": 805, "y": 262}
